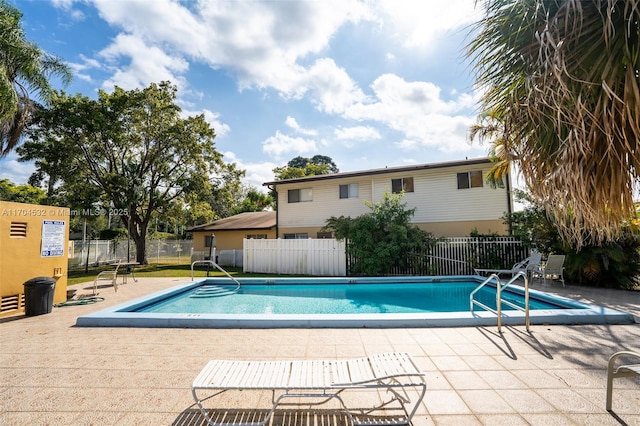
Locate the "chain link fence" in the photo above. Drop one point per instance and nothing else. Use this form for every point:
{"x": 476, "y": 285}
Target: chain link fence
{"x": 98, "y": 252}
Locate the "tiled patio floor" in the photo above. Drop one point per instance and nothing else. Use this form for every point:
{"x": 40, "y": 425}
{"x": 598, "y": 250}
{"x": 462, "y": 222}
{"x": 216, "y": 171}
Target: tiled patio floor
{"x": 53, "y": 373}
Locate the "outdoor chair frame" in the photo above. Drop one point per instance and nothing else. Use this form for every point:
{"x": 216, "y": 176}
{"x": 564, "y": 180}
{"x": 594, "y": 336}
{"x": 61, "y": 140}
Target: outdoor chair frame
{"x": 326, "y": 379}
{"x": 528, "y": 265}
{"x": 111, "y": 275}
{"x": 624, "y": 370}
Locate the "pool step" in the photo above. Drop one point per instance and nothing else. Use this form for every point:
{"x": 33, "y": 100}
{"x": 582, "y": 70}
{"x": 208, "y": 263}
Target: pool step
{"x": 212, "y": 291}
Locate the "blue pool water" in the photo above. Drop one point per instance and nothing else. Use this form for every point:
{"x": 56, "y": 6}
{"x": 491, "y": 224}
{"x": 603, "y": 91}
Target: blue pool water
{"x": 364, "y": 298}
{"x": 340, "y": 303}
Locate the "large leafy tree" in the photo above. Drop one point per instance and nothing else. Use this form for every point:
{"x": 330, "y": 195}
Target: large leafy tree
{"x": 317, "y": 160}
{"x": 24, "y": 70}
{"x": 562, "y": 76}
{"x": 134, "y": 148}
{"x": 254, "y": 201}
{"x": 226, "y": 190}
{"x": 20, "y": 193}
{"x": 299, "y": 167}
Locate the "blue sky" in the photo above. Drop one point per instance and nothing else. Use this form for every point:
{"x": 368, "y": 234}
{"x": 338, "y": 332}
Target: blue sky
{"x": 368, "y": 83}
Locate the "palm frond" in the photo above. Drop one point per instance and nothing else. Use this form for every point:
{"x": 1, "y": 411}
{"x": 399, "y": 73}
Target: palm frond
{"x": 564, "y": 75}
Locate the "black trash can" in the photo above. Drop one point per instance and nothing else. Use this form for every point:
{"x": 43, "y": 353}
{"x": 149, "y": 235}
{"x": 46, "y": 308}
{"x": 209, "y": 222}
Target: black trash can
{"x": 38, "y": 296}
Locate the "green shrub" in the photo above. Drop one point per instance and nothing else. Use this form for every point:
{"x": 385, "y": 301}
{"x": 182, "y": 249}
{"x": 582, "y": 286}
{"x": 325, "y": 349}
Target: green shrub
{"x": 383, "y": 240}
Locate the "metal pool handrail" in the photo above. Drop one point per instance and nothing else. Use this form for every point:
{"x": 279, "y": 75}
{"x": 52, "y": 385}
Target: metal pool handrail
{"x": 472, "y": 301}
{"x": 499, "y": 301}
{"x": 513, "y": 305}
{"x": 211, "y": 262}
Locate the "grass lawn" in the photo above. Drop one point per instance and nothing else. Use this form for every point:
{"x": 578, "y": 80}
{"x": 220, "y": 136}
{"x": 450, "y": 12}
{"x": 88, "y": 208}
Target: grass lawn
{"x": 77, "y": 276}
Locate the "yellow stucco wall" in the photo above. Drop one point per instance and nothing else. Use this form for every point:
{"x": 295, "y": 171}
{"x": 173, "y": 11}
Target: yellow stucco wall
{"x": 21, "y": 242}
{"x": 228, "y": 240}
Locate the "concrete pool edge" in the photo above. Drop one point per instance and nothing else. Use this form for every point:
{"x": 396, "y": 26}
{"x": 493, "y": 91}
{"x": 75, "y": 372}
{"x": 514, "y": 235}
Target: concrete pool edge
{"x": 114, "y": 317}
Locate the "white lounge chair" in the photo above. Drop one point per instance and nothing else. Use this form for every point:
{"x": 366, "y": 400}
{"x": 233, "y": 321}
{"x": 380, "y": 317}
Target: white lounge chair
{"x": 107, "y": 276}
{"x": 626, "y": 370}
{"x": 326, "y": 379}
{"x": 528, "y": 265}
{"x": 553, "y": 268}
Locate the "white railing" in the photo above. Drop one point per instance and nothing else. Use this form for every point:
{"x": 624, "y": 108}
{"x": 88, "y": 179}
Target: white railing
{"x": 477, "y": 252}
{"x": 219, "y": 268}
{"x": 323, "y": 257}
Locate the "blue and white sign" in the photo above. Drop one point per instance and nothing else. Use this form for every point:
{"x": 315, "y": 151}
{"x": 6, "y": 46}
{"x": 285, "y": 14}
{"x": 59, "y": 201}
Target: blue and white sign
{"x": 53, "y": 238}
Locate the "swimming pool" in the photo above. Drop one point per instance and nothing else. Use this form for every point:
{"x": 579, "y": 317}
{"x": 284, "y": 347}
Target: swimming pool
{"x": 340, "y": 303}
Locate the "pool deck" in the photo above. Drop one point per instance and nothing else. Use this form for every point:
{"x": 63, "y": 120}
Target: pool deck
{"x": 54, "y": 373}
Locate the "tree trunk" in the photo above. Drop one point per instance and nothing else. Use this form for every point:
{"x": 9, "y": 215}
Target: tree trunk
{"x": 139, "y": 235}
{"x": 141, "y": 248}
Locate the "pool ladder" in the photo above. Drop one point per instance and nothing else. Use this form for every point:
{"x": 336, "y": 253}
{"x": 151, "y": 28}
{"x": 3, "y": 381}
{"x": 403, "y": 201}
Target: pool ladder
{"x": 213, "y": 290}
{"x": 500, "y": 301}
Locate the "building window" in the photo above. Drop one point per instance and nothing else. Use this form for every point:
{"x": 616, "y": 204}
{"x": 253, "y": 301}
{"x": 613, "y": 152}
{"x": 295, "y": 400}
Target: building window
{"x": 470, "y": 180}
{"x": 403, "y": 184}
{"x": 324, "y": 235}
{"x": 349, "y": 190}
{"x": 256, "y": 236}
{"x": 209, "y": 241}
{"x": 300, "y": 195}
{"x": 298, "y": 236}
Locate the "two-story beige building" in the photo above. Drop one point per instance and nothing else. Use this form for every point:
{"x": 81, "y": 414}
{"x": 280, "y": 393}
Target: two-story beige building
{"x": 451, "y": 198}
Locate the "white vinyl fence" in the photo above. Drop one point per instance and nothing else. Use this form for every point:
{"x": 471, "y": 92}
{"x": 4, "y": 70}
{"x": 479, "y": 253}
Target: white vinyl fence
{"x": 323, "y": 257}
{"x": 223, "y": 257}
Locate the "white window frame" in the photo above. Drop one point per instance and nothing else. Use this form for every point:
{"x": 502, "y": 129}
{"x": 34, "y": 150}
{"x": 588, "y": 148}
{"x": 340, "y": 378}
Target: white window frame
{"x": 351, "y": 189}
{"x": 406, "y": 183}
{"x": 474, "y": 179}
{"x": 304, "y": 195}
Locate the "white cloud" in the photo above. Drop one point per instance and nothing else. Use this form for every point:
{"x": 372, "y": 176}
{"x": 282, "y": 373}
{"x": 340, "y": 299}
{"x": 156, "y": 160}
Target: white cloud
{"x": 419, "y": 24}
{"x": 331, "y": 87}
{"x": 359, "y": 133}
{"x": 15, "y": 171}
{"x": 280, "y": 144}
{"x": 148, "y": 64}
{"x": 261, "y": 43}
{"x": 417, "y": 110}
{"x": 256, "y": 173}
{"x": 67, "y": 5}
{"x": 293, "y": 123}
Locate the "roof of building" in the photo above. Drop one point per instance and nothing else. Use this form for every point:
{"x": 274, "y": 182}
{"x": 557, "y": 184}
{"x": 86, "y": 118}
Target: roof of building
{"x": 370, "y": 172}
{"x": 248, "y": 220}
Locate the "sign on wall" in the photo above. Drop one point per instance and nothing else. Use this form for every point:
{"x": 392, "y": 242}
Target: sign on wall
{"x": 53, "y": 238}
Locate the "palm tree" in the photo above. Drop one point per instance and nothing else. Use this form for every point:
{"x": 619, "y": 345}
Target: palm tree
{"x": 564, "y": 75}
{"x": 24, "y": 69}
{"x": 501, "y": 152}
